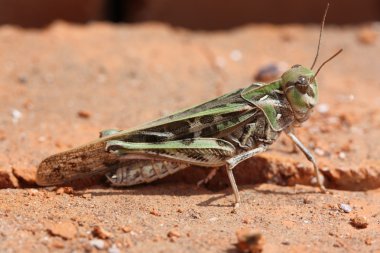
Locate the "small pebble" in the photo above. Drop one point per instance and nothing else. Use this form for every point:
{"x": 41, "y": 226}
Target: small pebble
{"x": 359, "y": 222}
{"x": 126, "y": 229}
{"x": 16, "y": 115}
{"x": 194, "y": 214}
{"x": 33, "y": 192}
{"x": 155, "y": 213}
{"x": 113, "y": 249}
{"x": 245, "y": 221}
{"x": 367, "y": 36}
{"x": 342, "y": 155}
{"x": 368, "y": 241}
{"x": 323, "y": 108}
{"x": 236, "y": 55}
{"x": 22, "y": 78}
{"x": 307, "y": 201}
{"x": 270, "y": 72}
{"x": 173, "y": 233}
{"x": 345, "y": 207}
{"x": 338, "y": 244}
{"x": 250, "y": 240}
{"x": 347, "y": 146}
{"x": 84, "y": 114}
{"x": 27, "y": 104}
{"x": 101, "y": 233}
{"x": 62, "y": 190}
{"x": 97, "y": 243}
{"x": 58, "y": 144}
{"x": 319, "y": 151}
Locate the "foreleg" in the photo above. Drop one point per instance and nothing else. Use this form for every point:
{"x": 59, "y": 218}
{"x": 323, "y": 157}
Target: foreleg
{"x": 309, "y": 157}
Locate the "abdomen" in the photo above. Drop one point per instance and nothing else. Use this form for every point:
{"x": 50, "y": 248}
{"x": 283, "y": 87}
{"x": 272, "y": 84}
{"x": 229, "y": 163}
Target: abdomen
{"x": 133, "y": 172}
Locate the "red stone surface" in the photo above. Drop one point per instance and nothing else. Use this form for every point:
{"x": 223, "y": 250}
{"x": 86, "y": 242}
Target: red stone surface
{"x": 126, "y": 75}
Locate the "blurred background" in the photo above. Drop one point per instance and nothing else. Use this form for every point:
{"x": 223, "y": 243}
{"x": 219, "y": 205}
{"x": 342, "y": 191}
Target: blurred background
{"x": 193, "y": 14}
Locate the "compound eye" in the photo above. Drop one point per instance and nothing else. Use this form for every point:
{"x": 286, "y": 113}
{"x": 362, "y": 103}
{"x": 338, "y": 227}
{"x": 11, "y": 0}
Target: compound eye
{"x": 302, "y": 80}
{"x": 302, "y": 84}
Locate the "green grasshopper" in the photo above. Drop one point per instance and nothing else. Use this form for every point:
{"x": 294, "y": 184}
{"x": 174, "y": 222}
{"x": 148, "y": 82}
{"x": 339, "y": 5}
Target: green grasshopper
{"x": 222, "y": 132}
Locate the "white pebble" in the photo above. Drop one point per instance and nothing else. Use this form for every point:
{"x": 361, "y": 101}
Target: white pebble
{"x": 16, "y": 115}
{"x": 345, "y": 207}
{"x": 236, "y": 55}
{"x": 323, "y": 108}
{"x": 113, "y": 249}
{"x": 97, "y": 243}
{"x": 342, "y": 155}
{"x": 319, "y": 151}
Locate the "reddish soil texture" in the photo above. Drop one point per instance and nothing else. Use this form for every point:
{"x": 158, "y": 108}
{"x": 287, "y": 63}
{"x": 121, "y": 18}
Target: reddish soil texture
{"x": 61, "y": 85}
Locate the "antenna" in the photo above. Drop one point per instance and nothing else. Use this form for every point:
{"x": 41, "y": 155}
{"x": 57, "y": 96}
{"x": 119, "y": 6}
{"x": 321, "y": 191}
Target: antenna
{"x": 320, "y": 35}
{"x": 323, "y": 64}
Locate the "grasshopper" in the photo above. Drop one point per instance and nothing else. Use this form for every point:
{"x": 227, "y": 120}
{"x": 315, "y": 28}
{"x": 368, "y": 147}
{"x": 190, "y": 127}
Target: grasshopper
{"x": 221, "y": 132}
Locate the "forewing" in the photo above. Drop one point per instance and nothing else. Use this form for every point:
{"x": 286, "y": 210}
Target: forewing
{"x": 210, "y": 119}
{"x": 219, "y": 102}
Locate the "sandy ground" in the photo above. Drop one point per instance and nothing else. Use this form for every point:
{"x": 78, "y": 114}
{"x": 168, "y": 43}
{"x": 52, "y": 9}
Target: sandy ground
{"x": 60, "y": 86}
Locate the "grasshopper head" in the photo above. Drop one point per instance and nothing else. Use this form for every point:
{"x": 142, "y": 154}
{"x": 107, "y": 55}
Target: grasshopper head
{"x": 299, "y": 84}
{"x": 301, "y": 90}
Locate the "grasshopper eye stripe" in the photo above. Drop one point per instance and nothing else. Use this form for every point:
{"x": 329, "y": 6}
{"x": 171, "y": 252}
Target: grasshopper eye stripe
{"x": 218, "y": 133}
